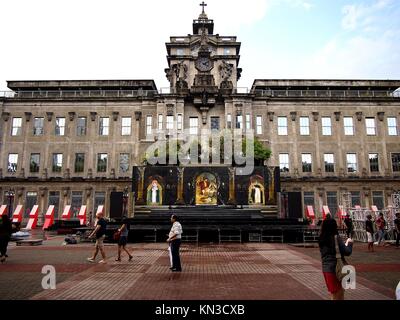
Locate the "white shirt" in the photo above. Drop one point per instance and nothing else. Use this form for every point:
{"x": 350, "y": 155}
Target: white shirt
{"x": 176, "y": 229}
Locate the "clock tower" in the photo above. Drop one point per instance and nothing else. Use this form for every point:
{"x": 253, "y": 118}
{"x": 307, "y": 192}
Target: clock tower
{"x": 203, "y": 60}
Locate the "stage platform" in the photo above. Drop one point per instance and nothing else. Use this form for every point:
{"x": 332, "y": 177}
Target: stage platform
{"x": 213, "y": 224}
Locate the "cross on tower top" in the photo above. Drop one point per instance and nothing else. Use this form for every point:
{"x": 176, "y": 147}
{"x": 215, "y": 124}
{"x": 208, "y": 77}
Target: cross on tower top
{"x": 203, "y": 4}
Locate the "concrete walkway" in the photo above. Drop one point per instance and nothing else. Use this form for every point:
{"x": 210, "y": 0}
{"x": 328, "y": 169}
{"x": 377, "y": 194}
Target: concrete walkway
{"x": 220, "y": 272}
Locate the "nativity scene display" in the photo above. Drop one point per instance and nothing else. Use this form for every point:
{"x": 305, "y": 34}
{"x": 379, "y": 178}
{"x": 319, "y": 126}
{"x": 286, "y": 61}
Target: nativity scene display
{"x": 206, "y": 189}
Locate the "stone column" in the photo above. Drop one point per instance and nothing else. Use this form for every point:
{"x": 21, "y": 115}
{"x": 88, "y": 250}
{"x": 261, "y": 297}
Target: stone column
{"x": 140, "y": 199}
{"x": 231, "y": 199}
{"x": 42, "y": 208}
{"x": 179, "y": 198}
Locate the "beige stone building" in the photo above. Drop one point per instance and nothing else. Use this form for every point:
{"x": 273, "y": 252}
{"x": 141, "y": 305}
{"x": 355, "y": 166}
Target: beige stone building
{"x": 75, "y": 142}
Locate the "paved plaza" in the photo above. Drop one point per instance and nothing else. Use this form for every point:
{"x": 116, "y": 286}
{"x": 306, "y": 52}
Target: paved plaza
{"x": 252, "y": 271}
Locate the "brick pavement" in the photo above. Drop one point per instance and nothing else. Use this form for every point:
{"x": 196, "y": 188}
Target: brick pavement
{"x": 232, "y": 271}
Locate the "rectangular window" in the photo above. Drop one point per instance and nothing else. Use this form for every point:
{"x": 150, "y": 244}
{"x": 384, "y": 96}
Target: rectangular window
{"x": 38, "y": 126}
{"x": 179, "y": 52}
{"x": 392, "y": 126}
{"x": 228, "y": 51}
{"x": 332, "y": 203}
{"x": 373, "y": 162}
{"x": 329, "y": 161}
{"x": 214, "y": 123}
{"x": 54, "y": 200}
{"x": 259, "y": 125}
{"x": 170, "y": 123}
{"x": 284, "y": 162}
{"x": 306, "y": 161}
{"x": 60, "y": 127}
{"x": 248, "y": 122}
{"x": 102, "y": 162}
{"x": 149, "y": 125}
{"x": 179, "y": 122}
{"x": 34, "y": 163}
{"x": 326, "y": 126}
{"x": 79, "y": 162}
{"x": 370, "y": 126}
{"x": 12, "y": 162}
{"x": 282, "y": 126}
{"x": 348, "y": 126}
{"x": 239, "y": 122}
{"x": 229, "y": 121}
{"x": 378, "y": 199}
{"x": 104, "y": 126}
{"x": 396, "y": 162}
{"x": 16, "y": 126}
{"x": 351, "y": 159}
{"x": 355, "y": 198}
{"x": 57, "y": 162}
{"x": 160, "y": 121}
{"x": 76, "y": 202}
{"x": 31, "y": 200}
{"x": 81, "y": 126}
{"x": 124, "y": 162}
{"x": 309, "y": 199}
{"x": 304, "y": 126}
{"x": 126, "y": 126}
{"x": 193, "y": 125}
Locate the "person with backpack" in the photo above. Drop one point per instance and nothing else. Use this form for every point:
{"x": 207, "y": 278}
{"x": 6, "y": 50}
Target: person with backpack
{"x": 328, "y": 240}
{"x": 380, "y": 225}
{"x": 349, "y": 225}
{"x": 99, "y": 233}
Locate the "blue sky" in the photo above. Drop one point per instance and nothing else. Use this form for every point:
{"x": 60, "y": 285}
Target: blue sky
{"x": 125, "y": 39}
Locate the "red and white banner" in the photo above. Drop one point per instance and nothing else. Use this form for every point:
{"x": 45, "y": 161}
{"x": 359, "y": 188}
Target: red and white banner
{"x": 66, "y": 213}
{"x": 3, "y": 209}
{"x": 82, "y": 215}
{"x": 49, "y": 217}
{"x": 18, "y": 214}
{"x": 33, "y": 218}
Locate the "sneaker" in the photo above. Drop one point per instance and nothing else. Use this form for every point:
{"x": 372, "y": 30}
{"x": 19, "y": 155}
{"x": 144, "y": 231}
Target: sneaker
{"x": 102, "y": 261}
{"x": 130, "y": 258}
{"x": 117, "y": 259}
{"x": 90, "y": 259}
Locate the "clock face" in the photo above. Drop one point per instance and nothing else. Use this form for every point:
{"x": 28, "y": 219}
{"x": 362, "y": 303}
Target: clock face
{"x": 204, "y": 64}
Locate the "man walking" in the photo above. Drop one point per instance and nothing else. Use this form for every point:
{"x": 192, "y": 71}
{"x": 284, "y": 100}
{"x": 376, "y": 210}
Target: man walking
{"x": 100, "y": 233}
{"x": 397, "y": 229}
{"x": 174, "y": 239}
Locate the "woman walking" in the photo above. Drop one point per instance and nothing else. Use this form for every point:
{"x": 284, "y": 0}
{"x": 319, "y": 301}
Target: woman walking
{"x": 369, "y": 228}
{"x": 123, "y": 240}
{"x": 328, "y": 239}
{"x": 5, "y": 235}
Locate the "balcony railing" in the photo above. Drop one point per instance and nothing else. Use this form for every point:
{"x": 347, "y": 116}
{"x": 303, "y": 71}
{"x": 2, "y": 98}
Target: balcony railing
{"x": 65, "y": 94}
{"x": 327, "y": 94}
{"x": 54, "y": 94}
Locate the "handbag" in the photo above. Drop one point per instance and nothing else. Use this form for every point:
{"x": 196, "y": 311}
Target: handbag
{"x": 117, "y": 235}
{"x": 340, "y": 261}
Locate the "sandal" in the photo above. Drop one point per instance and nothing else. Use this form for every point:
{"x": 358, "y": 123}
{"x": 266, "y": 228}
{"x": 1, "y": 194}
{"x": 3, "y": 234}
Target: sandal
{"x": 130, "y": 258}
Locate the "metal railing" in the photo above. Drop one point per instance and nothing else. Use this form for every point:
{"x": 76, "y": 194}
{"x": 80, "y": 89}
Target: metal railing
{"x": 54, "y": 94}
{"x": 327, "y": 93}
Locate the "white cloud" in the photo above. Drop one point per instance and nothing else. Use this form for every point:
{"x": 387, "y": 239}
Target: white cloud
{"x": 355, "y": 15}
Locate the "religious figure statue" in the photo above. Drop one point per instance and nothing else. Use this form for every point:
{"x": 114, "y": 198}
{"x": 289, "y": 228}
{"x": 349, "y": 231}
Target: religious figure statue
{"x": 154, "y": 193}
{"x": 225, "y": 70}
{"x": 256, "y": 195}
{"x": 180, "y": 70}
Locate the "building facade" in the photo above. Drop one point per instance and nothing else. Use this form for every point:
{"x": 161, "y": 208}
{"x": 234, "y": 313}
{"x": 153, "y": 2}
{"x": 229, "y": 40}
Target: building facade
{"x": 75, "y": 142}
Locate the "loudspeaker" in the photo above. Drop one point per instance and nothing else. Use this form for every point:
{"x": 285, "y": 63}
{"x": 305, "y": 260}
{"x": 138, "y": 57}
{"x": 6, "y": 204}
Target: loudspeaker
{"x": 116, "y": 204}
{"x": 295, "y": 205}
